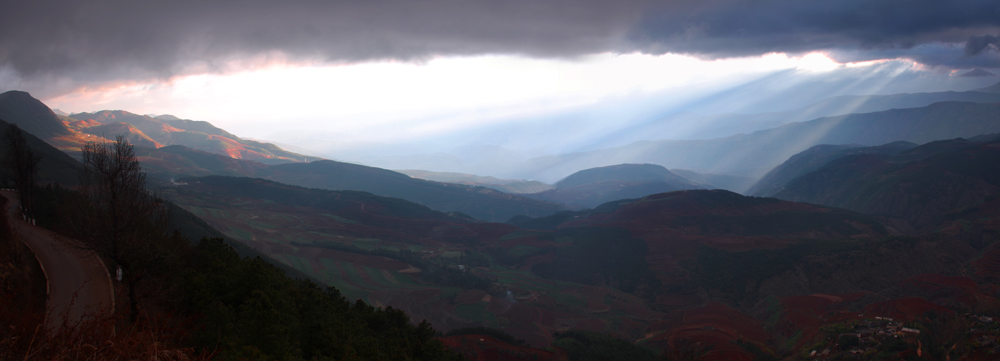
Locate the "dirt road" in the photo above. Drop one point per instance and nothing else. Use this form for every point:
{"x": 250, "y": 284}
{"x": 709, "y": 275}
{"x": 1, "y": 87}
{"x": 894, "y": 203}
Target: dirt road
{"x": 79, "y": 285}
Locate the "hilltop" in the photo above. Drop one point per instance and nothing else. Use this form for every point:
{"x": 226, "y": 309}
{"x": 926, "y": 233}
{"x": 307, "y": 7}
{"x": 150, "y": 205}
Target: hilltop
{"x": 595, "y": 186}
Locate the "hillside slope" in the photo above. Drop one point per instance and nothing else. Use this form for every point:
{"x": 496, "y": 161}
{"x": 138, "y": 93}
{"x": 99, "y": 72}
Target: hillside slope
{"x": 31, "y": 115}
{"x": 686, "y": 232}
{"x": 35, "y": 117}
{"x": 133, "y": 134}
{"x": 920, "y": 185}
{"x": 54, "y": 166}
{"x": 176, "y": 161}
{"x": 480, "y": 202}
{"x": 812, "y": 159}
{"x": 201, "y": 135}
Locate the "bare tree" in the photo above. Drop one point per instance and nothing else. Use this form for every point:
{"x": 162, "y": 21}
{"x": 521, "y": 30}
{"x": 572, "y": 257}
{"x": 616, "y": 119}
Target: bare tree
{"x": 21, "y": 165}
{"x": 123, "y": 221}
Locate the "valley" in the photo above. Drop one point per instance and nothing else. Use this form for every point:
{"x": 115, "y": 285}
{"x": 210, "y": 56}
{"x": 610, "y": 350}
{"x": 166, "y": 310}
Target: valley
{"x": 769, "y": 248}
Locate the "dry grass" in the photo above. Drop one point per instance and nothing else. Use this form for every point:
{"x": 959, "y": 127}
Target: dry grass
{"x": 150, "y": 338}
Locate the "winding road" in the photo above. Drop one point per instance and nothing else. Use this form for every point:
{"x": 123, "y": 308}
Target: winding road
{"x": 78, "y": 283}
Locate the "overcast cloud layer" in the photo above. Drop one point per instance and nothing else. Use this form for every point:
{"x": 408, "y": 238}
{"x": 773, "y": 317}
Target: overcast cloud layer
{"x": 53, "y": 46}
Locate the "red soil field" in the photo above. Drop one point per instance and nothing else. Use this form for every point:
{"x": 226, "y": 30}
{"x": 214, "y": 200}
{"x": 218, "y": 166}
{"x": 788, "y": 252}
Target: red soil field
{"x": 486, "y": 348}
{"x": 714, "y": 324}
{"x": 906, "y": 309}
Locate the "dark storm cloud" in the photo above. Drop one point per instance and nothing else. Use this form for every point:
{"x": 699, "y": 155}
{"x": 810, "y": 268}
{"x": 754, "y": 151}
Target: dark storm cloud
{"x": 976, "y": 73}
{"x": 68, "y": 43}
{"x": 111, "y": 39}
{"x": 725, "y": 28}
{"x": 977, "y": 44}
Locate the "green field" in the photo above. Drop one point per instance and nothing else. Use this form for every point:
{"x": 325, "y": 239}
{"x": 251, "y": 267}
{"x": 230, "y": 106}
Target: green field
{"x": 474, "y": 312}
{"x": 518, "y": 234}
{"x": 240, "y": 234}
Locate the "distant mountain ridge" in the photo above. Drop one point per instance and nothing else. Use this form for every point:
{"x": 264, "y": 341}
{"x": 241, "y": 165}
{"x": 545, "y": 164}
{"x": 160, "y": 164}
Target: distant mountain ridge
{"x": 516, "y": 186}
{"x": 480, "y": 202}
{"x": 856, "y": 104}
{"x": 595, "y": 186}
{"x": 723, "y": 125}
{"x": 755, "y": 154}
{"x": 995, "y": 88}
{"x": 622, "y": 172}
{"x": 678, "y": 126}
{"x": 176, "y": 162}
{"x": 201, "y": 135}
{"x": 70, "y": 133}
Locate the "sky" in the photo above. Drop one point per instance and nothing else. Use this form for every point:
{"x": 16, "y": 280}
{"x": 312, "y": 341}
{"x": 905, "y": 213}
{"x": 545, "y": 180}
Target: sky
{"x": 332, "y": 75}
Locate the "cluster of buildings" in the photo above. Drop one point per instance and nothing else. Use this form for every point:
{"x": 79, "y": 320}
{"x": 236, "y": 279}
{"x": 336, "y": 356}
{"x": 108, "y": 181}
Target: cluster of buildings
{"x": 984, "y": 337}
{"x": 870, "y": 333}
{"x": 985, "y": 332}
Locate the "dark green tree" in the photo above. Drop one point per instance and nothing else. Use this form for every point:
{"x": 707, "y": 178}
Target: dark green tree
{"x": 119, "y": 218}
{"x": 20, "y": 165}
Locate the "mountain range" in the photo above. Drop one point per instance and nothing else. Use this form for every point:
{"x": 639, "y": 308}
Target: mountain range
{"x": 629, "y": 144}
{"x": 891, "y": 213}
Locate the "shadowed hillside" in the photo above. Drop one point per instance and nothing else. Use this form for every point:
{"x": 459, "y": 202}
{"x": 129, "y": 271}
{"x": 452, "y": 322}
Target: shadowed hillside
{"x": 920, "y": 185}
{"x": 17, "y": 107}
{"x": 812, "y": 159}
{"x": 54, "y": 166}
{"x": 31, "y": 115}
{"x": 480, "y": 202}
{"x": 746, "y": 252}
{"x": 176, "y": 161}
